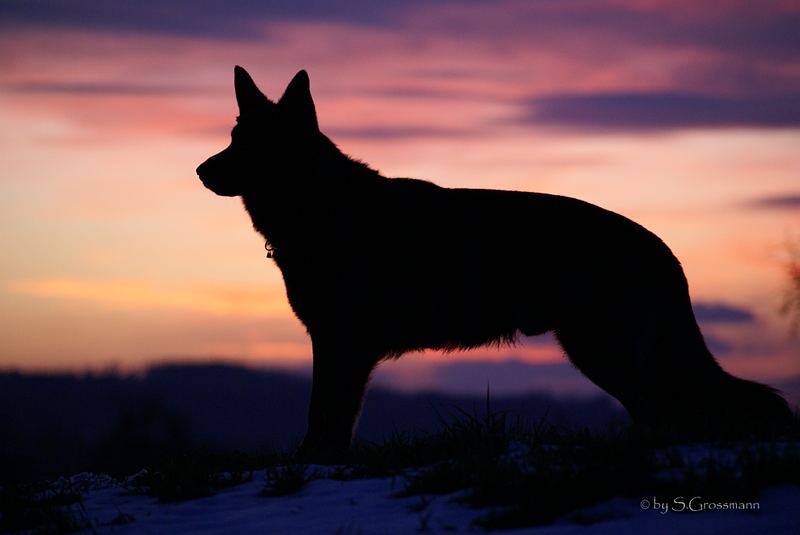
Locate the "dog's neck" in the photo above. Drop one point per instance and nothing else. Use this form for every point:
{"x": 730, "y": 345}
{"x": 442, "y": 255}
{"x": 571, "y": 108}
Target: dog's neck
{"x": 333, "y": 163}
{"x": 281, "y": 216}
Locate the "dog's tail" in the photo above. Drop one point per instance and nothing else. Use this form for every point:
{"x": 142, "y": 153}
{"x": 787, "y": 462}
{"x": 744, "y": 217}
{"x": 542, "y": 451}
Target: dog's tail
{"x": 718, "y": 403}
{"x": 743, "y": 406}
{"x": 703, "y": 401}
{"x": 721, "y": 407}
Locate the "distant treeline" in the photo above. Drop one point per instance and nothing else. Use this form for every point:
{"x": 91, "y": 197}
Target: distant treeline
{"x": 52, "y": 425}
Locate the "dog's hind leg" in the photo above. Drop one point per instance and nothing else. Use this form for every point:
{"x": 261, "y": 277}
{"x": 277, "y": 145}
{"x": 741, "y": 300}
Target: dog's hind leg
{"x": 341, "y": 374}
{"x": 644, "y": 348}
{"x": 606, "y": 363}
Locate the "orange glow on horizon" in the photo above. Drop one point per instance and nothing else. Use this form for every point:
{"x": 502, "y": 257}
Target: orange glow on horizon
{"x": 144, "y": 295}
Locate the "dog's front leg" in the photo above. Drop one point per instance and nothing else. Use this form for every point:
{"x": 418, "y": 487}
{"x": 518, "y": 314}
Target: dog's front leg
{"x": 341, "y": 374}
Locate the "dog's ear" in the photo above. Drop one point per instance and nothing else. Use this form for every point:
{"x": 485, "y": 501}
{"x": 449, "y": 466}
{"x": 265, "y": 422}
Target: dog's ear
{"x": 248, "y": 96}
{"x": 297, "y": 99}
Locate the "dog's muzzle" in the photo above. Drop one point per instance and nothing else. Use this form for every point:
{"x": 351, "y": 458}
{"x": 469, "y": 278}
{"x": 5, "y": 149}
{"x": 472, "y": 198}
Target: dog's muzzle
{"x": 215, "y": 176}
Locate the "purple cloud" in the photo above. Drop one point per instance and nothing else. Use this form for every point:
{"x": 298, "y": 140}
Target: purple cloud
{"x": 721, "y": 313}
{"x": 778, "y": 202}
{"x": 766, "y": 30}
{"x": 98, "y": 88}
{"x": 661, "y": 111}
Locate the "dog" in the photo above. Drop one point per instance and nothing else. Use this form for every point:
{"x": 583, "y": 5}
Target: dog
{"x": 375, "y": 267}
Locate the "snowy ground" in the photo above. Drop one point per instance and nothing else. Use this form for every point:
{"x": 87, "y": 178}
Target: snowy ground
{"x": 368, "y": 506}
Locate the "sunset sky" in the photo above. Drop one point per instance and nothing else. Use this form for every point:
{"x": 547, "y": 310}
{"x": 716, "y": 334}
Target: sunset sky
{"x": 682, "y": 115}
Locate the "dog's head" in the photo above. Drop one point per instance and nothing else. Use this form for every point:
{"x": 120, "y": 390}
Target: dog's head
{"x": 269, "y": 138}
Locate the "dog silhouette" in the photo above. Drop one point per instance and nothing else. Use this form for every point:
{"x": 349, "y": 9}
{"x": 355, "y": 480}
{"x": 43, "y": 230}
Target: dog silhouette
{"x": 375, "y": 267}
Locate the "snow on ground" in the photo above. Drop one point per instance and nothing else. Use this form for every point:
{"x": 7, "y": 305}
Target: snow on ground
{"x": 368, "y": 506}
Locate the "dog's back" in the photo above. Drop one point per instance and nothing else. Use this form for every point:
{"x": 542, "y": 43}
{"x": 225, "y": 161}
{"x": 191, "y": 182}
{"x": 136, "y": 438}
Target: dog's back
{"x": 424, "y": 266}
